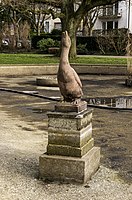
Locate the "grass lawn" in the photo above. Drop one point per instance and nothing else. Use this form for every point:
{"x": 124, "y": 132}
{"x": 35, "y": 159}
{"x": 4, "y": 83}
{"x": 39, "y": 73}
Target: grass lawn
{"x": 39, "y": 59}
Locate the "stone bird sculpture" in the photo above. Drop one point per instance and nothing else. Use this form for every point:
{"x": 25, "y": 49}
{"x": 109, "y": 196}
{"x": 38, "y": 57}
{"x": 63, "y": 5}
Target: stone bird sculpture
{"x": 68, "y": 80}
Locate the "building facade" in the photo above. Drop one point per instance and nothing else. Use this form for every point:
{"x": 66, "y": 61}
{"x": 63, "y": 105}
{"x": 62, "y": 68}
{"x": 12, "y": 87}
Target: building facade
{"x": 51, "y": 24}
{"x": 116, "y": 16}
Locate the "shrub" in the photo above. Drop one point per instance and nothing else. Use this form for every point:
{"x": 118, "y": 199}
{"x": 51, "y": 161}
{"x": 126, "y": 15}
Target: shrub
{"x": 44, "y": 44}
{"x": 114, "y": 42}
{"x": 57, "y": 43}
{"x": 81, "y": 49}
{"x": 56, "y": 32}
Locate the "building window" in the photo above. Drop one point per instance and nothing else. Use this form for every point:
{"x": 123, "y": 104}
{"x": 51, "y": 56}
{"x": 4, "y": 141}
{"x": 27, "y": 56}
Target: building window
{"x": 46, "y": 29}
{"x": 110, "y": 10}
{"x": 116, "y": 8}
{"x": 116, "y": 25}
{"x": 109, "y": 25}
{"x": 104, "y": 26}
{"x": 104, "y": 10}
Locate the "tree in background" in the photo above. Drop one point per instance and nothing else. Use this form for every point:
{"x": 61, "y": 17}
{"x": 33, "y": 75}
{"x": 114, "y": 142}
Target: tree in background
{"x": 13, "y": 17}
{"x": 72, "y": 15}
{"x": 15, "y": 13}
{"x": 18, "y": 17}
{"x": 89, "y": 21}
{"x": 39, "y": 12}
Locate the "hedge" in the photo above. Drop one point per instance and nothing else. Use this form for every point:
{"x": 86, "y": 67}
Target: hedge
{"x": 91, "y": 44}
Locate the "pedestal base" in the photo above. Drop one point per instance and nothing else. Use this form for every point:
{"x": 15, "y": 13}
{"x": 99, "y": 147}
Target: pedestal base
{"x": 69, "y": 169}
{"x": 69, "y": 107}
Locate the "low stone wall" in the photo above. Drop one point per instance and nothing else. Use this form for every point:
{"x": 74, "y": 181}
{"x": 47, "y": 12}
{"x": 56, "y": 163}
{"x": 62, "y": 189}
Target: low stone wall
{"x": 100, "y": 69}
{"x": 29, "y": 70}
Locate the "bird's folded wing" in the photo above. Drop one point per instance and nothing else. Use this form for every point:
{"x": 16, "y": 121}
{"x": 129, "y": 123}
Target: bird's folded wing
{"x": 77, "y": 78}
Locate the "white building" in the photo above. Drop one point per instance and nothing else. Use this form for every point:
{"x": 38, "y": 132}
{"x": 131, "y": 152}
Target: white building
{"x": 117, "y": 16}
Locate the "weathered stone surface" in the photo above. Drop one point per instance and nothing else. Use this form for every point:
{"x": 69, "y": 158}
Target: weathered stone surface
{"x": 70, "y": 137}
{"x": 69, "y": 134}
{"x": 84, "y": 120}
{"x": 69, "y": 120}
{"x": 66, "y": 150}
{"x": 68, "y": 80}
{"x": 64, "y": 123}
{"x": 69, "y": 107}
{"x": 69, "y": 169}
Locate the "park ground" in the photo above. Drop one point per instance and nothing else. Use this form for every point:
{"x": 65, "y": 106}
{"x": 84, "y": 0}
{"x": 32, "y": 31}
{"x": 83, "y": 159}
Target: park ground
{"x": 23, "y": 139}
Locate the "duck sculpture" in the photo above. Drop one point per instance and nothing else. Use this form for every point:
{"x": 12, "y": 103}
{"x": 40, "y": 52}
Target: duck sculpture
{"x": 68, "y": 80}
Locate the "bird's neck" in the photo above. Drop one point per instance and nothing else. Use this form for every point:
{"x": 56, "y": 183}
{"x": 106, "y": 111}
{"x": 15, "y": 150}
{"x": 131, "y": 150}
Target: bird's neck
{"x": 64, "y": 57}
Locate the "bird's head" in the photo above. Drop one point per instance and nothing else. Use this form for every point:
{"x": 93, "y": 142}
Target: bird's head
{"x": 66, "y": 41}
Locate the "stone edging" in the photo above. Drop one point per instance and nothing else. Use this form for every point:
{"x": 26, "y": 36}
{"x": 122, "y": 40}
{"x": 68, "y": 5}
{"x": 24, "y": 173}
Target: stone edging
{"x": 29, "y": 70}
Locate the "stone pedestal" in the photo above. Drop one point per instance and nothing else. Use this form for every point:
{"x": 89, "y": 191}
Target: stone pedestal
{"x": 71, "y": 155}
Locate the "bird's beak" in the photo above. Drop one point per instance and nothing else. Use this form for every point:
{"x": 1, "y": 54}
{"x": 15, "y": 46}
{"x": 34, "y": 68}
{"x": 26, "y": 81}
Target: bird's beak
{"x": 65, "y": 33}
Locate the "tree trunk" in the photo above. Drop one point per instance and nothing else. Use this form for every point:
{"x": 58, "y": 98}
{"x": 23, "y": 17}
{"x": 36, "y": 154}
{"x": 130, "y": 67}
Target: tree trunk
{"x": 90, "y": 31}
{"x": 85, "y": 26}
{"x": 70, "y": 24}
{"x": 72, "y": 33}
{"x": 38, "y": 31}
{"x": 16, "y": 30}
{"x": 73, "y": 51}
{"x": 71, "y": 27}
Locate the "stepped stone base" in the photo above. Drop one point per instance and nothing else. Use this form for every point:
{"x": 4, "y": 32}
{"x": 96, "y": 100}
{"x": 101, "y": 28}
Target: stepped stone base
{"x": 69, "y": 169}
{"x": 71, "y": 155}
{"x": 64, "y": 150}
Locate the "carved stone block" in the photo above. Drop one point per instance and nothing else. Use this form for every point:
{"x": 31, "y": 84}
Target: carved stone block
{"x": 70, "y": 107}
{"x": 69, "y": 121}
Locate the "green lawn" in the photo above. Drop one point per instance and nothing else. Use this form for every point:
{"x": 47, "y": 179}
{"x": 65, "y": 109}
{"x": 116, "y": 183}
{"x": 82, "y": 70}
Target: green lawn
{"x": 34, "y": 59}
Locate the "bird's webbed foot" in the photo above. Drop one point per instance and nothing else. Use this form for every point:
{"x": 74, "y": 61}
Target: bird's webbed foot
{"x": 76, "y": 101}
{"x": 62, "y": 99}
